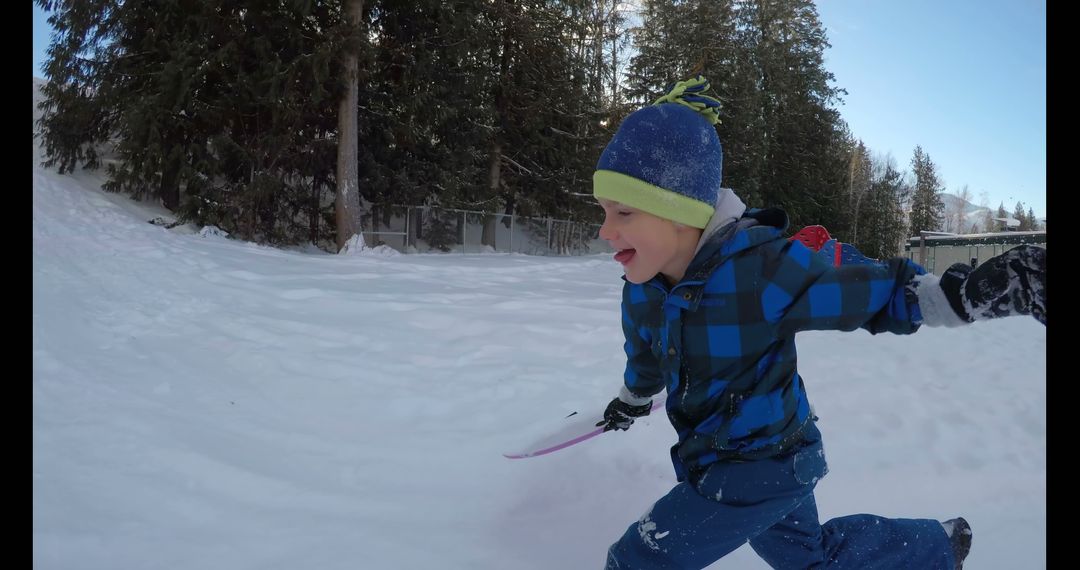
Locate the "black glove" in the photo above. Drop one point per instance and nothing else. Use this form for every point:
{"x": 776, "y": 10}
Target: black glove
{"x": 1013, "y": 283}
{"x": 620, "y": 415}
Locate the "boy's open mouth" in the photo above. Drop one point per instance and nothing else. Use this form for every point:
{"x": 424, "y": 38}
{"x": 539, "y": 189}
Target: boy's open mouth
{"x": 624, "y": 256}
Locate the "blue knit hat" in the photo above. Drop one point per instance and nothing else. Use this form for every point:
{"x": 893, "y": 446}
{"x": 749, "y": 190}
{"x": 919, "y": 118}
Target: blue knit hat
{"x": 666, "y": 158}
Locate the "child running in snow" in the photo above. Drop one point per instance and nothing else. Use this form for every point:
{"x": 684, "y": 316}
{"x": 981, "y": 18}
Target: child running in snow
{"x": 713, "y": 297}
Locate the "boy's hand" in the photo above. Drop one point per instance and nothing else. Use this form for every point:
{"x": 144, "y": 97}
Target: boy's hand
{"x": 1013, "y": 283}
{"x": 620, "y": 415}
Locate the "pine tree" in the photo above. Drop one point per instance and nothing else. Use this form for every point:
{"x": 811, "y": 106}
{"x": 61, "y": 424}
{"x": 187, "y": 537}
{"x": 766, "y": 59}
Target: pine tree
{"x": 882, "y": 217}
{"x": 221, "y": 111}
{"x": 926, "y": 204}
{"x": 1020, "y": 215}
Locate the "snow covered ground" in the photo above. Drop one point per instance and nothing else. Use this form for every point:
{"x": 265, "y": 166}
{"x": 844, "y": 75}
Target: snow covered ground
{"x": 206, "y": 403}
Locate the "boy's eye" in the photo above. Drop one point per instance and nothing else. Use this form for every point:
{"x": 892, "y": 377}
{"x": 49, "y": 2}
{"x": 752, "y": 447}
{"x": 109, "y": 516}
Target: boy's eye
{"x": 624, "y": 212}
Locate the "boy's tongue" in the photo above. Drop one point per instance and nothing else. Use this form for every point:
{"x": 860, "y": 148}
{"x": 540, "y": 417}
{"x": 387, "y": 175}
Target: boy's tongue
{"x": 625, "y": 255}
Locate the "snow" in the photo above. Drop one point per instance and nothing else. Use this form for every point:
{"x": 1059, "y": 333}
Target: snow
{"x": 216, "y": 404}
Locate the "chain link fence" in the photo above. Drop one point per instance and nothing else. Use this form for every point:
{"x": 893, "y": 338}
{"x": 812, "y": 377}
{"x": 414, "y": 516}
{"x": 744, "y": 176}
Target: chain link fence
{"x": 423, "y": 229}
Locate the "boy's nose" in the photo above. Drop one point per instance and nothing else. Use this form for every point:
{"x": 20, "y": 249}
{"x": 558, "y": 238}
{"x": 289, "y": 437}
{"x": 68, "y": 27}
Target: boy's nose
{"x": 606, "y": 232}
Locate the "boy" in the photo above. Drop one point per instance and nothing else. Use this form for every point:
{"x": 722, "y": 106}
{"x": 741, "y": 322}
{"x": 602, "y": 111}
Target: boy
{"x": 714, "y": 295}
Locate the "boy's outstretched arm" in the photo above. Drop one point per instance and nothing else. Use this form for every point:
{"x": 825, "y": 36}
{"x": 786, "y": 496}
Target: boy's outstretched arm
{"x": 804, "y": 291}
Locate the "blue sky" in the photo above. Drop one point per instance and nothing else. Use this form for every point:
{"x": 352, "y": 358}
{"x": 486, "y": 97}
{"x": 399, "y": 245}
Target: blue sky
{"x": 41, "y": 39}
{"x": 965, "y": 79}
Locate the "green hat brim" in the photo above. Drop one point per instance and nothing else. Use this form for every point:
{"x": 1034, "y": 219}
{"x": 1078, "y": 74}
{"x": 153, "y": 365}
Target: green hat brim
{"x": 636, "y": 193}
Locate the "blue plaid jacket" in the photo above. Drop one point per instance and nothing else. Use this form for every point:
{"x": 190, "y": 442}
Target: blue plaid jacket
{"x": 722, "y": 340}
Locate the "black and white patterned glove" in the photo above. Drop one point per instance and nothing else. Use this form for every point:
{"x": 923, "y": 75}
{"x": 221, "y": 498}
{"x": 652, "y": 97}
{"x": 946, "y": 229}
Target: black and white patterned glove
{"x": 620, "y": 414}
{"x": 1013, "y": 283}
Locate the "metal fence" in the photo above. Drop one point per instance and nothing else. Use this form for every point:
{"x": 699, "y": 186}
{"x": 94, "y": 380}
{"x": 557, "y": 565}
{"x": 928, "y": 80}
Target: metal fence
{"x": 422, "y": 229}
{"x": 936, "y": 252}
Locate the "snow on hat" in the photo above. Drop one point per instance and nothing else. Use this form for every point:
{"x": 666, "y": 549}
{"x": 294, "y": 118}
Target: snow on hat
{"x": 666, "y": 158}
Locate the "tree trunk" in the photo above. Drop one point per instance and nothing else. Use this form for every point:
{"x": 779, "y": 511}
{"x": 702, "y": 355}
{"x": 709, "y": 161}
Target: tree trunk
{"x": 170, "y": 185}
{"x": 374, "y": 230}
{"x": 487, "y": 237}
{"x": 313, "y": 213}
{"x": 347, "y": 199}
{"x": 510, "y": 203}
{"x": 494, "y": 178}
{"x": 417, "y": 224}
{"x": 495, "y": 160}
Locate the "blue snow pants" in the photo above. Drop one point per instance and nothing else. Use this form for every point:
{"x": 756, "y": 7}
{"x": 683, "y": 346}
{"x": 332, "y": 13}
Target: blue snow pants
{"x": 770, "y": 503}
